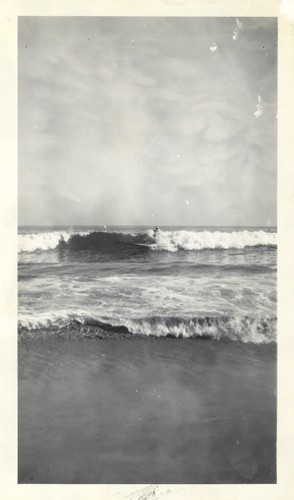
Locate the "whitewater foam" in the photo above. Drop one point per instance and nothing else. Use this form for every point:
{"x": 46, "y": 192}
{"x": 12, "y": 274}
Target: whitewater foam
{"x": 191, "y": 240}
{"x": 33, "y": 242}
{"x": 231, "y": 328}
{"x": 41, "y": 241}
{"x": 234, "y": 328}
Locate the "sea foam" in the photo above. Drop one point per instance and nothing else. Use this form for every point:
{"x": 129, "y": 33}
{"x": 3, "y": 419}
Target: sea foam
{"x": 229, "y": 328}
{"x": 192, "y": 240}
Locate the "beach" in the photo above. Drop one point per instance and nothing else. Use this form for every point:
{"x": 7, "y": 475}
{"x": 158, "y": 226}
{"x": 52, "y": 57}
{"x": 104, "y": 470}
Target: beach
{"x": 137, "y": 409}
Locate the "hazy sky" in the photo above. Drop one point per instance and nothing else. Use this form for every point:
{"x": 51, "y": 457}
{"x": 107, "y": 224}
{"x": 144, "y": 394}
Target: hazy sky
{"x": 147, "y": 120}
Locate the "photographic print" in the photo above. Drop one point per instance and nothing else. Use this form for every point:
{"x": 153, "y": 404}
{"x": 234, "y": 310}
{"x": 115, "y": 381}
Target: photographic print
{"x": 147, "y": 250}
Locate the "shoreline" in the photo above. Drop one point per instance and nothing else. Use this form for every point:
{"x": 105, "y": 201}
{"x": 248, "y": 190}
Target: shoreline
{"x": 145, "y": 410}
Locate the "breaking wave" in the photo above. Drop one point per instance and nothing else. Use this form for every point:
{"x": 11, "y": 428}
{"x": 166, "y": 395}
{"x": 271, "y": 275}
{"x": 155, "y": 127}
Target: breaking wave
{"x": 41, "y": 241}
{"x": 191, "y": 240}
{"x": 170, "y": 241}
{"x": 228, "y": 328}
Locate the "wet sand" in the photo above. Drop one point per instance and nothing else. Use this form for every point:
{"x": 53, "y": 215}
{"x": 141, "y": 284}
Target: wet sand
{"x": 142, "y": 410}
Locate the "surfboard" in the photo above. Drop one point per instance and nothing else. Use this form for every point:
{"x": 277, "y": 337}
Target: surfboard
{"x": 145, "y": 245}
{"x": 141, "y": 245}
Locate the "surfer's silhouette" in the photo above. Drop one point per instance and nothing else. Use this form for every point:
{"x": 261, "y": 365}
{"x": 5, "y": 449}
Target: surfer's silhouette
{"x": 155, "y": 231}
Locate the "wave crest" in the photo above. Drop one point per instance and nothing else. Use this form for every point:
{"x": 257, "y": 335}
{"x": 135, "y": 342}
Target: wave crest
{"x": 170, "y": 241}
{"x": 230, "y": 328}
{"x": 41, "y": 241}
{"x": 191, "y": 240}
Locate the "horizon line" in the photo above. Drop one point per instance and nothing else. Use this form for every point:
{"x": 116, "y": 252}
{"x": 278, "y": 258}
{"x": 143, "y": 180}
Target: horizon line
{"x": 147, "y": 225}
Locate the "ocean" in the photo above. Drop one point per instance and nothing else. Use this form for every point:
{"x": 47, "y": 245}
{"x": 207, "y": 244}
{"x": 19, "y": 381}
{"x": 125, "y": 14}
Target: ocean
{"x": 147, "y": 359}
{"x": 217, "y": 283}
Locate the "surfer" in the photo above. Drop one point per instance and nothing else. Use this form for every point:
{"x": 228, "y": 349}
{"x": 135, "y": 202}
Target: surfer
{"x": 155, "y": 231}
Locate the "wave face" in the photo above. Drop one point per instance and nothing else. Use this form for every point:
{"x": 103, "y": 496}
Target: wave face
{"x": 222, "y": 328}
{"x": 122, "y": 243}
